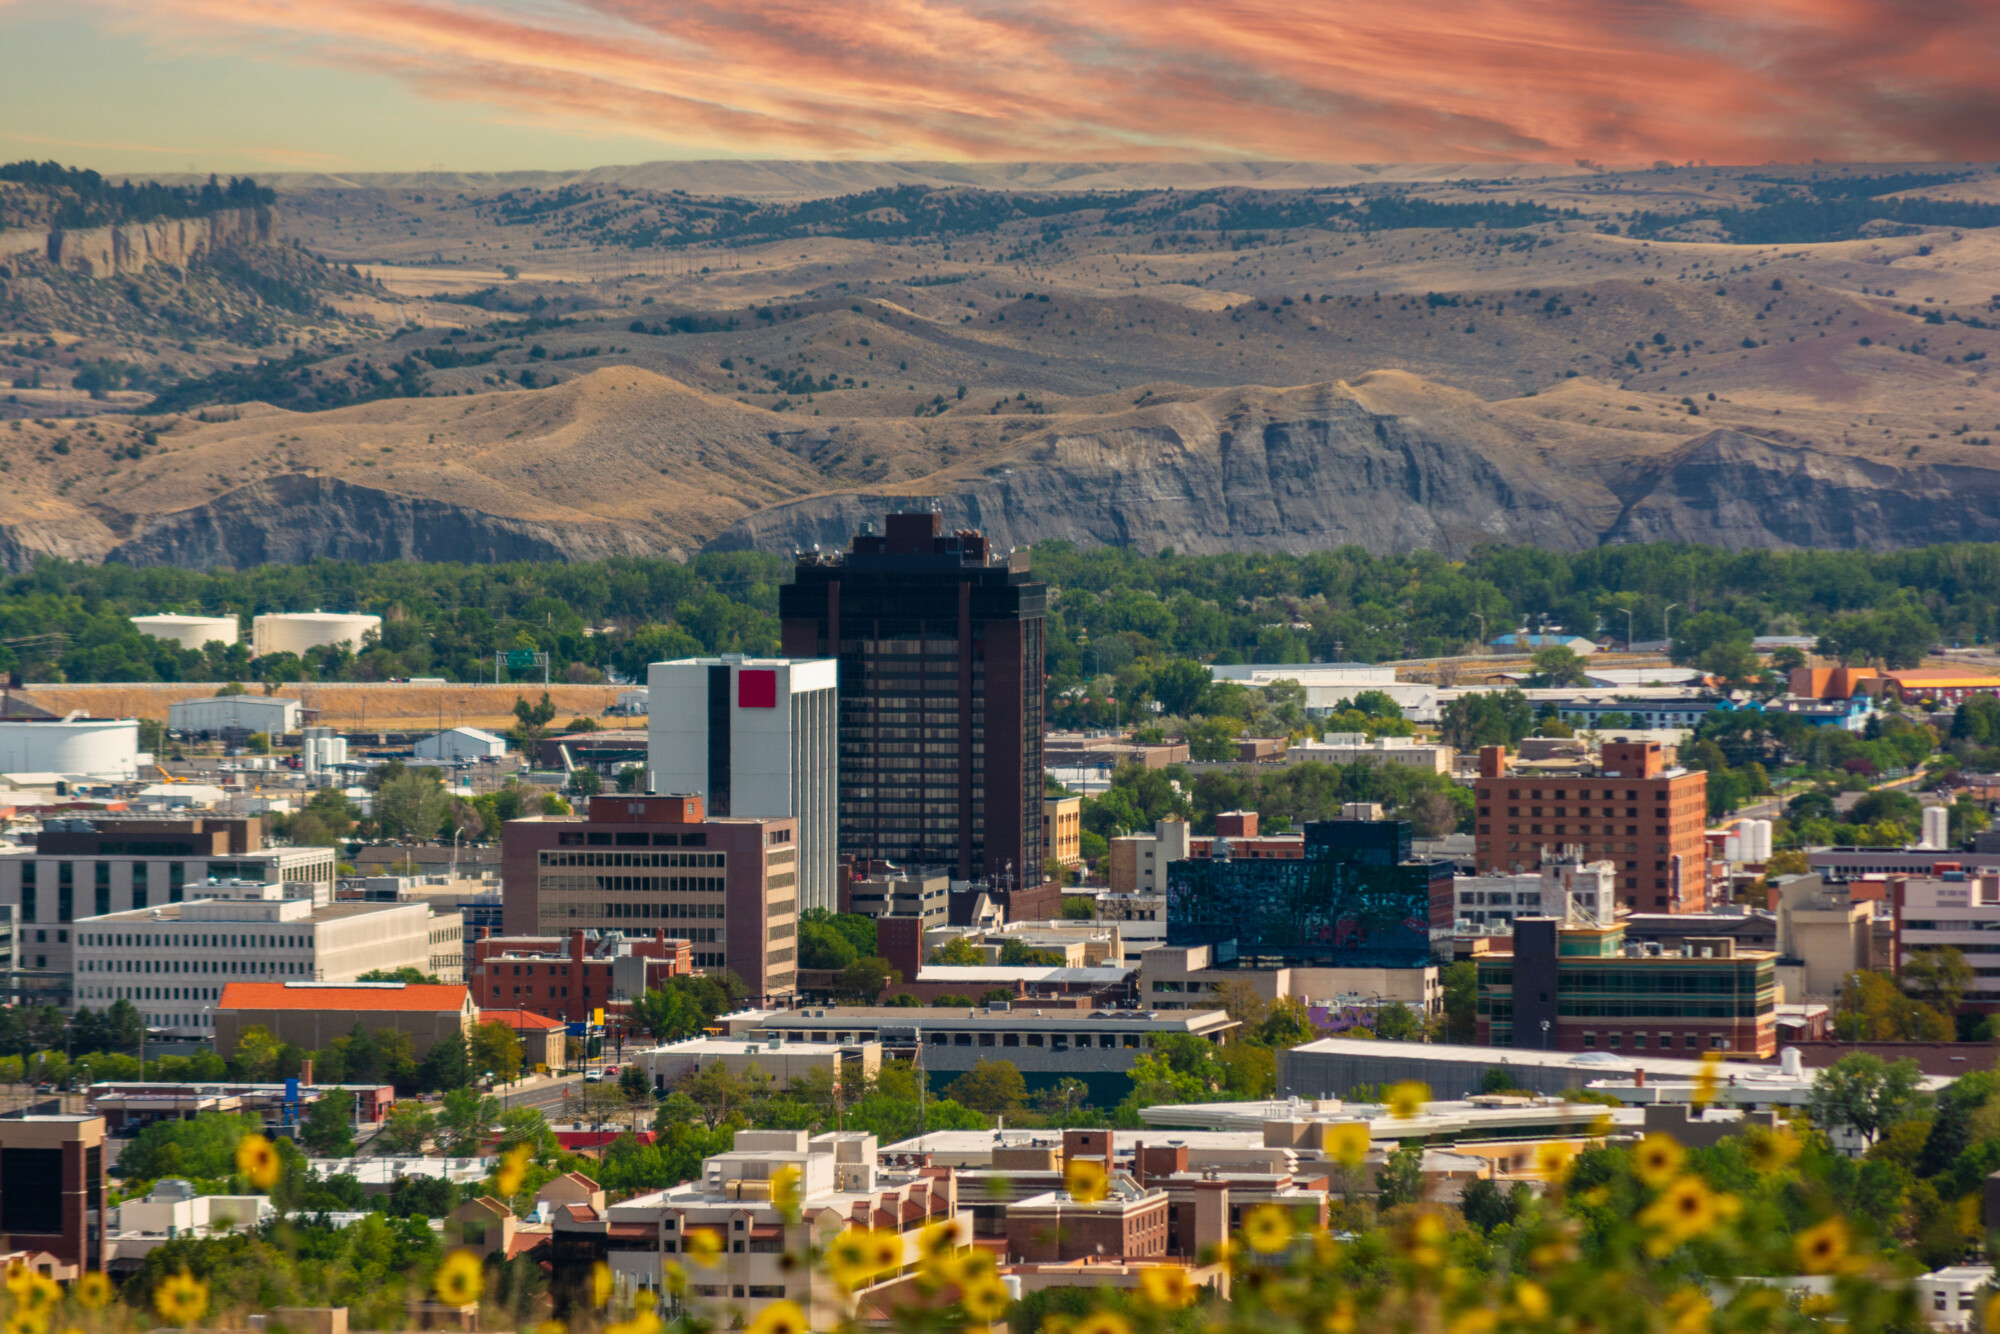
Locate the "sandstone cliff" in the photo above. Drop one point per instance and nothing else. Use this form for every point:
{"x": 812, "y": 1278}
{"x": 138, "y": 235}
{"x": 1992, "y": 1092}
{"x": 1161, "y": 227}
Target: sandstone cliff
{"x": 105, "y": 252}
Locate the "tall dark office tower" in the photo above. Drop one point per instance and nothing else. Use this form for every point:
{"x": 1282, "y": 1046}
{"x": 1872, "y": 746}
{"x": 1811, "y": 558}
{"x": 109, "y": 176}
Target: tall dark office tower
{"x": 940, "y": 649}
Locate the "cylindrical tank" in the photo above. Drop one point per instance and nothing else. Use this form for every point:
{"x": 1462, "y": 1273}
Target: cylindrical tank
{"x": 106, "y": 748}
{"x": 1764, "y": 828}
{"x": 298, "y": 631}
{"x": 189, "y": 631}
{"x": 1732, "y": 848}
{"x": 1937, "y": 827}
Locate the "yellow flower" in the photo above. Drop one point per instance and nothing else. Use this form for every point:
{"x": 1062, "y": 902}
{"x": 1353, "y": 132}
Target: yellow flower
{"x": 37, "y": 1294}
{"x": 1086, "y": 1180}
{"x": 1686, "y": 1208}
{"x": 702, "y": 1246}
{"x": 642, "y": 1322}
{"x": 1423, "y": 1241}
{"x": 1340, "y": 1319}
{"x": 94, "y": 1291}
{"x": 551, "y": 1327}
{"x": 513, "y": 1166}
{"x": 1554, "y": 1158}
{"x": 885, "y": 1249}
{"x": 460, "y": 1279}
{"x": 785, "y": 1194}
{"x": 181, "y": 1299}
{"x": 600, "y": 1285}
{"x": 1706, "y": 1080}
{"x": 1408, "y": 1098}
{"x": 969, "y": 1267}
{"x": 1532, "y": 1299}
{"x": 1479, "y": 1320}
{"x": 1770, "y": 1151}
{"x": 1822, "y": 1246}
{"x": 780, "y": 1318}
{"x": 1658, "y": 1158}
{"x": 847, "y": 1259}
{"x": 1326, "y": 1249}
{"x": 1102, "y": 1322}
{"x": 1346, "y": 1142}
{"x": 257, "y": 1160}
{"x": 1688, "y": 1312}
{"x": 1268, "y": 1229}
{"x": 674, "y": 1279}
{"x": 26, "y": 1322}
{"x": 1993, "y": 1313}
{"x": 1166, "y": 1286}
{"x": 986, "y": 1300}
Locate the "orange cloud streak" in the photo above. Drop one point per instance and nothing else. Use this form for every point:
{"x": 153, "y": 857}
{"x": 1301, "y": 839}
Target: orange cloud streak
{"x": 1367, "y": 80}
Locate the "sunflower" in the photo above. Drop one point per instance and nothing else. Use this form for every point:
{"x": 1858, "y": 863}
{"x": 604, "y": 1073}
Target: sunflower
{"x": 986, "y": 1300}
{"x": 937, "y": 1247}
{"x": 1102, "y": 1322}
{"x": 1554, "y": 1158}
{"x": 1770, "y": 1151}
{"x": 551, "y": 1327}
{"x": 1706, "y": 1079}
{"x": 1479, "y": 1320}
{"x": 702, "y": 1246}
{"x": 600, "y": 1285}
{"x": 1267, "y": 1229}
{"x": 969, "y": 1267}
{"x": 36, "y": 1294}
{"x": 94, "y": 1291}
{"x": 885, "y": 1250}
{"x": 181, "y": 1298}
{"x": 1686, "y": 1208}
{"x": 1993, "y": 1313}
{"x": 1657, "y": 1160}
{"x": 1531, "y": 1299}
{"x": 1408, "y": 1098}
{"x": 26, "y": 1322}
{"x": 780, "y": 1318}
{"x": 513, "y": 1166}
{"x": 1423, "y": 1241}
{"x": 1340, "y": 1317}
{"x": 642, "y": 1322}
{"x": 1086, "y": 1180}
{"x": 1688, "y": 1312}
{"x": 1346, "y": 1142}
{"x": 674, "y": 1279}
{"x": 1166, "y": 1286}
{"x": 460, "y": 1280}
{"x": 847, "y": 1257}
{"x": 257, "y": 1160}
{"x": 785, "y": 1194}
{"x": 1822, "y": 1247}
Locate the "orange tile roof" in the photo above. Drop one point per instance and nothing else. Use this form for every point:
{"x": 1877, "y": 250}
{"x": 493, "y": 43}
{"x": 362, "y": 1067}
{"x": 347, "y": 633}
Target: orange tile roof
{"x": 519, "y": 1019}
{"x": 1940, "y": 676}
{"x": 333, "y": 996}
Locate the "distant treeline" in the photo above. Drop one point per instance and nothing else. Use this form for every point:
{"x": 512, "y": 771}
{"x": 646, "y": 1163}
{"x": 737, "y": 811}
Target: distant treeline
{"x": 1838, "y": 209}
{"x": 1108, "y": 606}
{"x": 86, "y": 199}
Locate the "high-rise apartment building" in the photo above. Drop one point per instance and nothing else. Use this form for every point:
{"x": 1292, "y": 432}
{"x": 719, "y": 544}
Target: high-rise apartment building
{"x": 1625, "y": 807}
{"x": 754, "y": 737}
{"x": 939, "y": 642}
{"x": 728, "y": 885}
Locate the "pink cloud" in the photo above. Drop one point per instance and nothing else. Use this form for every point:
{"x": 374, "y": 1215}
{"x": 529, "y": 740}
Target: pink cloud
{"x": 1366, "y": 80}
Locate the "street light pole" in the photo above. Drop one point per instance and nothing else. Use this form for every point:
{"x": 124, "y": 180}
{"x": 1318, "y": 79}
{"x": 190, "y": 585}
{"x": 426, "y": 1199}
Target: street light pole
{"x": 1666, "y": 625}
{"x": 1628, "y": 628}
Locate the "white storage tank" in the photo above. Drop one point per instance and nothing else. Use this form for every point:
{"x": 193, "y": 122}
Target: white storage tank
{"x": 102, "y": 748}
{"x": 189, "y": 631}
{"x": 1937, "y": 827}
{"x": 1732, "y": 848}
{"x": 1763, "y": 840}
{"x": 298, "y": 631}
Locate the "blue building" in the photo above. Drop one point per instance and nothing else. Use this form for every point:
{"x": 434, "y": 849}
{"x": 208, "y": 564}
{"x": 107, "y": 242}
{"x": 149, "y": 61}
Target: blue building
{"x": 1354, "y": 898}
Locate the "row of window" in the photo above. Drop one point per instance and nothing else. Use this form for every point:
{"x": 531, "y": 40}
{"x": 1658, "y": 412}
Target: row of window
{"x": 235, "y": 967}
{"x": 634, "y": 884}
{"x": 178, "y": 940}
{"x": 710, "y": 859}
{"x": 628, "y": 910}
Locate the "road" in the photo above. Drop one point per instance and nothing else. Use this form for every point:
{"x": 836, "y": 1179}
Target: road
{"x": 548, "y": 1097}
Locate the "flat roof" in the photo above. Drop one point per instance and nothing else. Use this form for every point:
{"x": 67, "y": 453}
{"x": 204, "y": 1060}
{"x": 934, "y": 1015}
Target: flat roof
{"x": 952, "y": 1016}
{"x": 432, "y": 997}
{"x": 972, "y": 973}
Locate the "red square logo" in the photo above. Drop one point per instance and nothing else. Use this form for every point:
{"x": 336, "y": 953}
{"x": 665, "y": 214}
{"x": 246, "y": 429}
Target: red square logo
{"x": 756, "y": 688}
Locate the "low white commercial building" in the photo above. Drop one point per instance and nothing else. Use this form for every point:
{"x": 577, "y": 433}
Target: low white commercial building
{"x": 189, "y": 631}
{"x": 1566, "y": 890}
{"x": 1948, "y": 1298}
{"x": 460, "y": 745}
{"x": 101, "y": 748}
{"x": 1328, "y": 685}
{"x": 173, "y": 961}
{"x": 270, "y": 714}
{"x": 173, "y": 1210}
{"x": 1954, "y": 910}
{"x": 1356, "y": 748}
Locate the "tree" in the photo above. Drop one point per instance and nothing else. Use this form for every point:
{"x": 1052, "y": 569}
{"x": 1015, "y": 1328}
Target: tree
{"x": 821, "y": 946}
{"x": 1061, "y": 1098}
{"x": 867, "y": 978}
{"x": 1213, "y": 740}
{"x": 1401, "y": 1180}
{"x": 443, "y": 1066}
{"x": 1016, "y": 953}
{"x": 1079, "y": 908}
{"x": 532, "y": 721}
{"x": 203, "y": 1147}
{"x": 1939, "y": 977}
{"x": 584, "y": 783}
{"x": 527, "y": 1125}
{"x": 328, "y": 1128}
{"x": 1397, "y": 1022}
{"x": 1558, "y": 665}
{"x": 717, "y": 1091}
{"x": 1864, "y": 1094}
{"x": 995, "y": 1087}
{"x": 411, "y": 806}
{"x": 1288, "y": 1024}
{"x": 1486, "y": 1208}
{"x": 465, "y": 1120}
{"x": 1179, "y": 684}
{"x": 1461, "y": 997}
{"x": 408, "y": 974}
{"x": 496, "y": 1051}
{"x": 406, "y": 1130}
{"x": 1472, "y": 721}
{"x": 957, "y": 952}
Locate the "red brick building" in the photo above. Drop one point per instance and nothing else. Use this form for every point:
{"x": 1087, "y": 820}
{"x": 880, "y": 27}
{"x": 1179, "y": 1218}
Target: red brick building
{"x": 566, "y": 979}
{"x": 1626, "y": 807}
{"x": 642, "y": 865}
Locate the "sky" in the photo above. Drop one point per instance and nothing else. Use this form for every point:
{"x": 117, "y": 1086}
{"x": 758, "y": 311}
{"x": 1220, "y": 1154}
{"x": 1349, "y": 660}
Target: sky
{"x": 496, "y": 85}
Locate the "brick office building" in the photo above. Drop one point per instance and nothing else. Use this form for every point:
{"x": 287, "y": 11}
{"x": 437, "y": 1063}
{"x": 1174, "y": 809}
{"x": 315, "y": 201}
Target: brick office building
{"x": 643, "y": 863}
{"x": 52, "y": 1175}
{"x": 1625, "y": 807}
{"x": 567, "y": 978}
{"x": 939, "y": 641}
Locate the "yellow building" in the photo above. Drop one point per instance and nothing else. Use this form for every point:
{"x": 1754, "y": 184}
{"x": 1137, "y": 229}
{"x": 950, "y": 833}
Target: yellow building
{"x": 1062, "y": 829}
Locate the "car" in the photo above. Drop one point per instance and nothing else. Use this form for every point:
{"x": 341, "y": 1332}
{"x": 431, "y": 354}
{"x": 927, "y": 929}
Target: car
{"x": 593, "y": 1077}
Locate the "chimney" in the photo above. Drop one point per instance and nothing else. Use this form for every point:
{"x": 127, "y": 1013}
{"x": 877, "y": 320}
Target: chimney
{"x": 1639, "y": 1078}
{"x": 1211, "y": 1214}
{"x": 306, "y": 1071}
